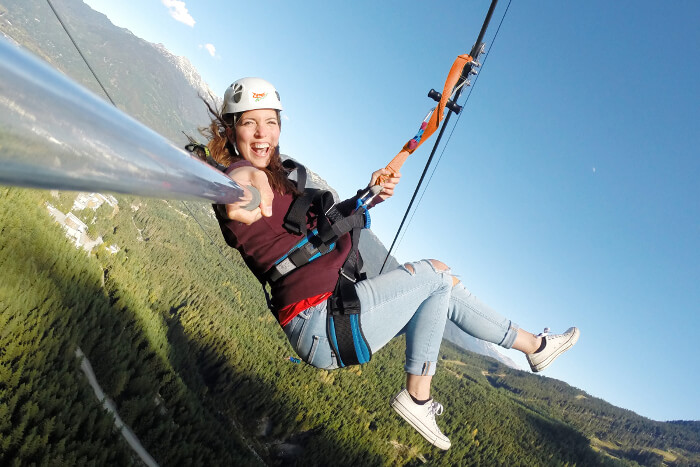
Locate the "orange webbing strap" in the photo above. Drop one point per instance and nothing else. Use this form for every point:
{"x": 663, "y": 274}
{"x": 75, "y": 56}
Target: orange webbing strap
{"x": 437, "y": 115}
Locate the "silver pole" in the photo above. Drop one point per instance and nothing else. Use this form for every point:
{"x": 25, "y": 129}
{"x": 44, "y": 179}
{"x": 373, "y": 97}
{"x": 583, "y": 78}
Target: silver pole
{"x": 54, "y": 134}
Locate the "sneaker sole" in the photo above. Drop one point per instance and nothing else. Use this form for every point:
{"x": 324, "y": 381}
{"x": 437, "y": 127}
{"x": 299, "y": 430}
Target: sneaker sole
{"x": 566, "y": 346}
{"x": 403, "y": 411}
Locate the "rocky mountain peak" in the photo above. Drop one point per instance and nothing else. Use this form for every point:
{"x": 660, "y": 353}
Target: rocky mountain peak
{"x": 188, "y": 71}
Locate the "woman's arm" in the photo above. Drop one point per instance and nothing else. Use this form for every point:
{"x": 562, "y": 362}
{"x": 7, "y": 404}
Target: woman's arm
{"x": 388, "y": 182}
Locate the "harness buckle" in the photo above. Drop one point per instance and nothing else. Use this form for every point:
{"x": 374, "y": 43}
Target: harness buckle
{"x": 351, "y": 279}
{"x": 285, "y": 266}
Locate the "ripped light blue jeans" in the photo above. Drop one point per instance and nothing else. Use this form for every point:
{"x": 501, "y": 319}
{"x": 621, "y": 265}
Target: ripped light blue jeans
{"x": 416, "y": 300}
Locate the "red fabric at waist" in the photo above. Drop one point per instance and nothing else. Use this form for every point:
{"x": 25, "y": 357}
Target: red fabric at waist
{"x": 286, "y": 314}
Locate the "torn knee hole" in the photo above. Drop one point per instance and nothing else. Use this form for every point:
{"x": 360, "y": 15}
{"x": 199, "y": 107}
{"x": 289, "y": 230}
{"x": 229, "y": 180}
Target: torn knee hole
{"x": 409, "y": 268}
{"x": 439, "y": 265}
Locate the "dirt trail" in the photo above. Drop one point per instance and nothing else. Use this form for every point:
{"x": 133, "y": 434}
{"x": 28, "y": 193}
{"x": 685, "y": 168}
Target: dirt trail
{"x": 129, "y": 435}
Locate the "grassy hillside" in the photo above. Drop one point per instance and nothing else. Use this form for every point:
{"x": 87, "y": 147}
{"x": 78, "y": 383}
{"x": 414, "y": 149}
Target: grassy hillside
{"x": 178, "y": 334}
{"x": 51, "y": 301}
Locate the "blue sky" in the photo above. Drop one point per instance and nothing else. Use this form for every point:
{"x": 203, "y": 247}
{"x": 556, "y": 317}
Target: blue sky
{"x": 567, "y": 194}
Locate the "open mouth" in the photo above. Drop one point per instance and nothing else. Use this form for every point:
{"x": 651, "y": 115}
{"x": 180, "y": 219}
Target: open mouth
{"x": 260, "y": 149}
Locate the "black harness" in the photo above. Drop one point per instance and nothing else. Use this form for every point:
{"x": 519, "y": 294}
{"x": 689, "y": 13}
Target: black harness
{"x": 343, "y": 324}
{"x": 344, "y": 328}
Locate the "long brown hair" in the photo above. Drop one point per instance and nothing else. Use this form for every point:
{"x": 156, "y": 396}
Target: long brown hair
{"x": 223, "y": 152}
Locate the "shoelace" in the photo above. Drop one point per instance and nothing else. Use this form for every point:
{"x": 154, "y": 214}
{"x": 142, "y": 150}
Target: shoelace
{"x": 544, "y": 333}
{"x": 435, "y": 408}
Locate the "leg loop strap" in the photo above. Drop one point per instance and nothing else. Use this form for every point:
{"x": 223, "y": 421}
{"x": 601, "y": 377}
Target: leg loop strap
{"x": 344, "y": 327}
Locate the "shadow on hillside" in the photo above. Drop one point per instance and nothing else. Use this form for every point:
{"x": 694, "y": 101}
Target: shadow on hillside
{"x": 73, "y": 302}
{"x": 264, "y": 414}
{"x": 564, "y": 442}
{"x": 202, "y": 368}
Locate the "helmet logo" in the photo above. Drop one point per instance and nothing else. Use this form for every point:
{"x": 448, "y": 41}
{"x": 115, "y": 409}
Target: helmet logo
{"x": 237, "y": 92}
{"x": 258, "y": 96}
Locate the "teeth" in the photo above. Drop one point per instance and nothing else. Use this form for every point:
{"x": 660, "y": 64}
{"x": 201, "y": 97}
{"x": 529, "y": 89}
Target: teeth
{"x": 261, "y": 145}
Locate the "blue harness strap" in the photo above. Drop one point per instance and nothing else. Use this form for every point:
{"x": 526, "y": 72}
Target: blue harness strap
{"x": 330, "y": 225}
{"x": 308, "y": 249}
{"x": 347, "y": 339}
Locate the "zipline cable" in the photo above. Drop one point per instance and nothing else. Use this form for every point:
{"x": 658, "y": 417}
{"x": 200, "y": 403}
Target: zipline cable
{"x": 475, "y": 52}
{"x": 459, "y": 116}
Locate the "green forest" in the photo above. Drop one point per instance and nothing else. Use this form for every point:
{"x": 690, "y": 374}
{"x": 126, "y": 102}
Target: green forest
{"x": 179, "y": 337}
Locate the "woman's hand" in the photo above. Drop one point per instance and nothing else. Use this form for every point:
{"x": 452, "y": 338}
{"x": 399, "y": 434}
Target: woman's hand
{"x": 388, "y": 181}
{"x": 247, "y": 176}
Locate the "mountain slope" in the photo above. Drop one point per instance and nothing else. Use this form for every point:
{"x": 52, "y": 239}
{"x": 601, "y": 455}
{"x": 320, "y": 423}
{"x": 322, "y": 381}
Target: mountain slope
{"x": 174, "y": 329}
{"x": 145, "y": 80}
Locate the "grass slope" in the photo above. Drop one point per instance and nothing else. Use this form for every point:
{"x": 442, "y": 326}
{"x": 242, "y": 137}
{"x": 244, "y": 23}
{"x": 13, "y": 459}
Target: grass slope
{"x": 179, "y": 336}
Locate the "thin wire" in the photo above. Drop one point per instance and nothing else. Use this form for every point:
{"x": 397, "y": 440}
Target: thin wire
{"x": 449, "y": 137}
{"x": 211, "y": 240}
{"x": 476, "y": 51}
{"x": 80, "y": 52}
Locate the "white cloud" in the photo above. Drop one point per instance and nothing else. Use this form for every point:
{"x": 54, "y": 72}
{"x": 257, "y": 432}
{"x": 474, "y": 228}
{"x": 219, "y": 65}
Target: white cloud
{"x": 209, "y": 48}
{"x": 179, "y": 12}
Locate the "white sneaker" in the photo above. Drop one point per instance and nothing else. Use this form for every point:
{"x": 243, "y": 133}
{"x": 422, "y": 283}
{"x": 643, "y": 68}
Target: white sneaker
{"x": 555, "y": 345}
{"x": 421, "y": 417}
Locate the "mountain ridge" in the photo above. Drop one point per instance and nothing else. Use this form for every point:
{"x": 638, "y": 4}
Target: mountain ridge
{"x": 190, "y": 73}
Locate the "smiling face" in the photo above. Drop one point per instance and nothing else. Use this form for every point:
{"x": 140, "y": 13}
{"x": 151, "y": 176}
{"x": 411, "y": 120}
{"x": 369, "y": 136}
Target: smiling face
{"x": 257, "y": 136}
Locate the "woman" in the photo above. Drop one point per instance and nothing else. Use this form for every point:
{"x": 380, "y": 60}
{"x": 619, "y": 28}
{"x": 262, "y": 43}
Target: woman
{"x": 416, "y": 299}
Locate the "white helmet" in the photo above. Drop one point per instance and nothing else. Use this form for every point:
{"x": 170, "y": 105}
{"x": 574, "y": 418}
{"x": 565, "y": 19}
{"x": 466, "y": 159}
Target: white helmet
{"x": 250, "y": 94}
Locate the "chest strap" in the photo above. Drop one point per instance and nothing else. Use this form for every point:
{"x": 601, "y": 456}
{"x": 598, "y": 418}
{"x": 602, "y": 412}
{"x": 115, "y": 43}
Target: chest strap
{"x": 331, "y": 224}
